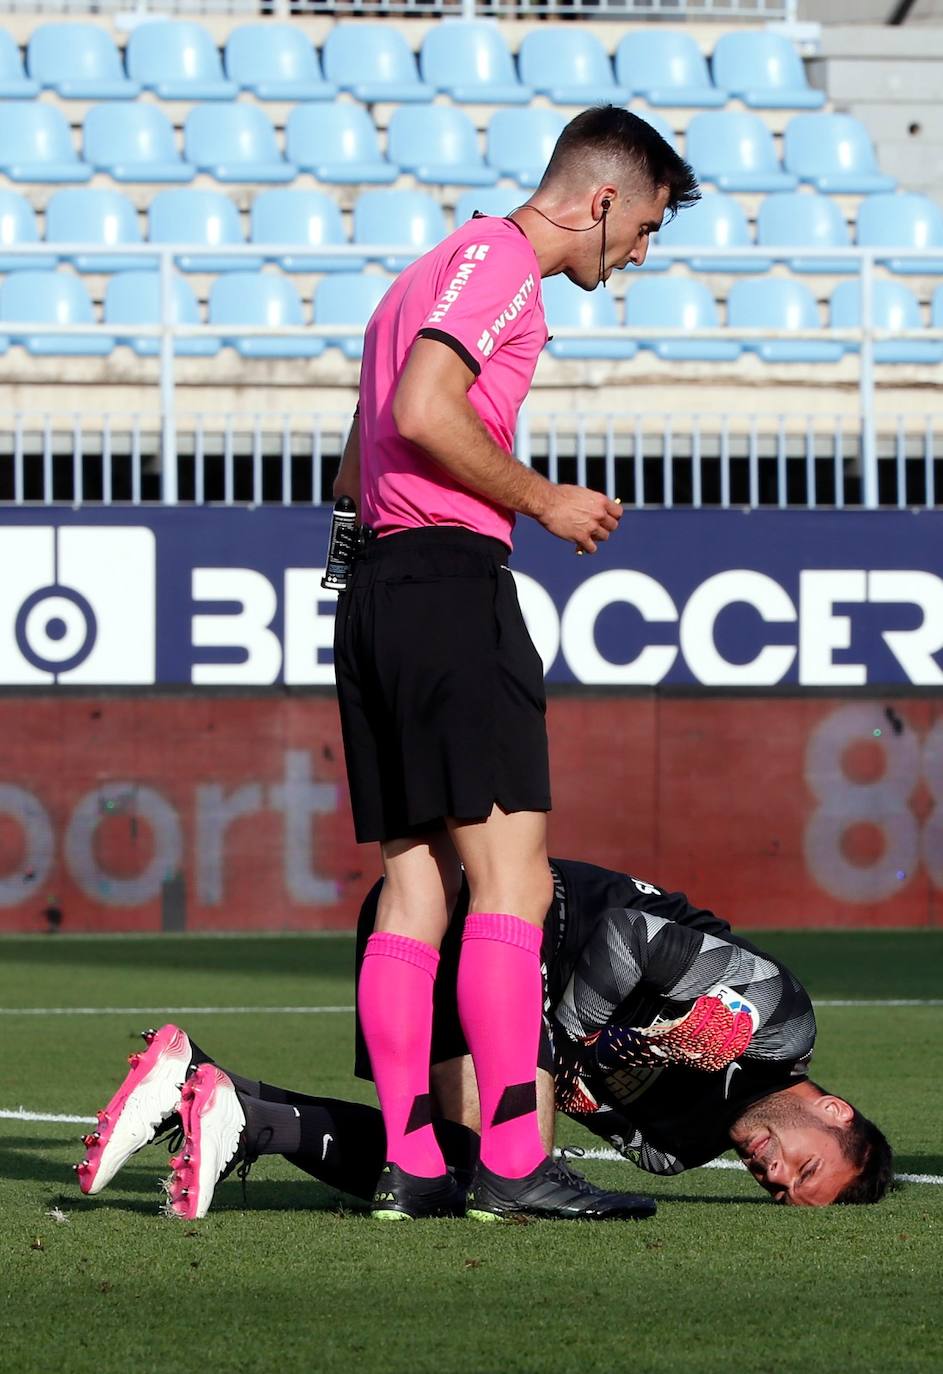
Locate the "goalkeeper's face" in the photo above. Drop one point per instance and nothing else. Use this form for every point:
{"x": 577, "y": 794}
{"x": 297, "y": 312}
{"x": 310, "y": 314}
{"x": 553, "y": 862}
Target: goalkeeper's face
{"x": 792, "y": 1145}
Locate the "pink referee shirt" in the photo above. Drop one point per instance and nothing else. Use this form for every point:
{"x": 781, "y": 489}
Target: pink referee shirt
{"x": 478, "y": 292}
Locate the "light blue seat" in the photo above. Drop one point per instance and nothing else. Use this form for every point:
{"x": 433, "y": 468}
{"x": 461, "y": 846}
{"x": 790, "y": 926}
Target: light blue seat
{"x": 36, "y": 144}
{"x": 520, "y": 143}
{"x": 133, "y": 141}
{"x": 835, "y": 153}
{"x": 438, "y": 145}
{"x": 568, "y": 306}
{"x": 204, "y": 219}
{"x": 177, "y": 60}
{"x": 796, "y": 219}
{"x": 133, "y": 298}
{"x": 275, "y": 62}
{"x": 261, "y": 298}
{"x": 398, "y": 217}
{"x": 234, "y": 143}
{"x": 778, "y": 303}
{"x": 50, "y": 298}
{"x": 735, "y": 151}
{"x": 309, "y": 218}
{"x": 904, "y": 221}
{"x": 936, "y": 309}
{"x": 348, "y": 298}
{"x": 660, "y": 124}
{"x": 570, "y": 66}
{"x": 667, "y": 67}
{"x": 490, "y": 200}
{"x": 78, "y": 62}
{"x": 715, "y": 221}
{"x": 469, "y": 60}
{"x": 14, "y": 85}
{"x": 893, "y": 307}
{"x": 99, "y": 217}
{"x": 18, "y": 226}
{"x": 374, "y": 62}
{"x": 338, "y": 143}
{"x": 764, "y": 70}
{"x": 677, "y": 303}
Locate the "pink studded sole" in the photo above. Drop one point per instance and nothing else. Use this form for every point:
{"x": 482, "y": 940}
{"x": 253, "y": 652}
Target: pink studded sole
{"x": 213, "y": 1121}
{"x": 149, "y": 1094}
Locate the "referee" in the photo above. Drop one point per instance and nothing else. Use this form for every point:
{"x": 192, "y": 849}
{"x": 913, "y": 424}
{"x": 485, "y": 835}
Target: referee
{"x": 440, "y": 688}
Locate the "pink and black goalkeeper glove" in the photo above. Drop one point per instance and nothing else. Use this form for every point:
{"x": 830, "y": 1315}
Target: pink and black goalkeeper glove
{"x": 708, "y": 1037}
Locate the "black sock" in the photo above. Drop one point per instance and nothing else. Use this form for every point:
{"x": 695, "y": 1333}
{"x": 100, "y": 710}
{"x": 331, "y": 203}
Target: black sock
{"x": 459, "y": 1146}
{"x": 272, "y": 1128}
{"x": 342, "y": 1143}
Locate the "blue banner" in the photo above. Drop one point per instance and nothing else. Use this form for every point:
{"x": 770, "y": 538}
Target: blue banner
{"x": 213, "y": 597}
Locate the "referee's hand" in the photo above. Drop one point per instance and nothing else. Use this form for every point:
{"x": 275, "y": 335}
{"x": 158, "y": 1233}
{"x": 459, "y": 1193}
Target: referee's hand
{"x": 582, "y": 517}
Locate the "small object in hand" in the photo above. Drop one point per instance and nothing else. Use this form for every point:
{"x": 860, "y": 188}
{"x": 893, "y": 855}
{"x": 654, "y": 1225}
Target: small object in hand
{"x": 708, "y": 1037}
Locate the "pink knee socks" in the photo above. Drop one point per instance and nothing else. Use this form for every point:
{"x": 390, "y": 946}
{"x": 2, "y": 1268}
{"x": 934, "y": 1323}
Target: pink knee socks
{"x": 500, "y": 991}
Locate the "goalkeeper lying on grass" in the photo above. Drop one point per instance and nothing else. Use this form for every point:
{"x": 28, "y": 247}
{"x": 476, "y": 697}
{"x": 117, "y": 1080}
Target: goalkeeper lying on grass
{"x": 665, "y": 1033}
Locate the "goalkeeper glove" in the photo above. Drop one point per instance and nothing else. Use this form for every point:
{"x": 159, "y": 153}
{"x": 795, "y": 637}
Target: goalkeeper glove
{"x": 708, "y": 1037}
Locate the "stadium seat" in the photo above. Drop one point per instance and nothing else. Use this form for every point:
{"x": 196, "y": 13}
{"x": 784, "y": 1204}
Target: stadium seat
{"x": 36, "y": 144}
{"x": 469, "y": 61}
{"x": 777, "y": 303}
{"x": 50, "y": 298}
{"x": 348, "y": 298}
{"x": 78, "y": 62}
{"x": 736, "y": 152}
{"x": 14, "y": 84}
{"x": 903, "y": 221}
{"x": 834, "y": 153}
{"x": 18, "y": 226}
{"x": 374, "y": 62}
{"x": 301, "y": 217}
{"x": 177, "y": 60}
{"x": 677, "y": 303}
{"x": 133, "y": 141}
{"x": 894, "y": 307}
{"x": 275, "y": 62}
{"x": 133, "y": 298}
{"x": 796, "y": 219}
{"x": 100, "y": 217}
{"x": 520, "y": 143}
{"x": 438, "y": 145}
{"x": 567, "y": 305}
{"x": 936, "y": 309}
{"x": 667, "y": 67}
{"x": 715, "y": 221}
{"x": 261, "y": 298}
{"x": 490, "y": 200}
{"x": 398, "y": 217}
{"x": 570, "y": 66}
{"x": 199, "y": 217}
{"x": 338, "y": 143}
{"x": 234, "y": 143}
{"x": 764, "y": 71}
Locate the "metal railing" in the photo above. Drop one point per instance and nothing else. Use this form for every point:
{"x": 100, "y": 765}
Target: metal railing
{"x": 729, "y": 10}
{"x": 864, "y": 338}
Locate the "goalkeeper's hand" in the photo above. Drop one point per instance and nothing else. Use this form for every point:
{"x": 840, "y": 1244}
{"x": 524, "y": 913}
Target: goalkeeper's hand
{"x": 571, "y": 1093}
{"x": 708, "y": 1037}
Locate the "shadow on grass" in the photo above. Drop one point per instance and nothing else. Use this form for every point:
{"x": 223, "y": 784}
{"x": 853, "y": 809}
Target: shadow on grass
{"x": 325, "y": 958}
{"x": 713, "y": 1198}
{"x": 918, "y": 1164}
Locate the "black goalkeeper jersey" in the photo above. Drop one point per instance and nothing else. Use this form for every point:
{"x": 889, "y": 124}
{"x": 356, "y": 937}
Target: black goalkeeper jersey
{"x": 620, "y": 951}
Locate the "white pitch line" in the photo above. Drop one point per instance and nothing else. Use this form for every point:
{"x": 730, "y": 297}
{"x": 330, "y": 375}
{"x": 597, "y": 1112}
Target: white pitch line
{"x": 320, "y": 1011}
{"x": 171, "y": 1011}
{"x": 609, "y": 1156}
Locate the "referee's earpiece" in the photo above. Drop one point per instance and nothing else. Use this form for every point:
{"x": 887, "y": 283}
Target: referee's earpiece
{"x": 605, "y": 204}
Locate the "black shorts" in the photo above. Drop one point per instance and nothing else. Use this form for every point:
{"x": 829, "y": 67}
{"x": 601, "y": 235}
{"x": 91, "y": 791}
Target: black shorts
{"x": 440, "y": 687}
{"x": 448, "y": 1038}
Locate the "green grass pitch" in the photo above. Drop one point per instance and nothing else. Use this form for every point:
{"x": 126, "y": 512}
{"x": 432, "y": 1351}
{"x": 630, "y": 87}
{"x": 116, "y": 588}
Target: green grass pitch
{"x": 302, "y": 1281}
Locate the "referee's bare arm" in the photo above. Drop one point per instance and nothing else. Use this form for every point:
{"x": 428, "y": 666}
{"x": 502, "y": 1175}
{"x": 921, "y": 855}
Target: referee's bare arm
{"x": 347, "y": 481}
{"x": 431, "y": 409}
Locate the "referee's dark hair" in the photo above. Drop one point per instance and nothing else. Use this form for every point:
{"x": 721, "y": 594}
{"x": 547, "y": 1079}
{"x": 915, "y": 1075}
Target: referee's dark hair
{"x": 620, "y": 139}
{"x": 866, "y": 1147}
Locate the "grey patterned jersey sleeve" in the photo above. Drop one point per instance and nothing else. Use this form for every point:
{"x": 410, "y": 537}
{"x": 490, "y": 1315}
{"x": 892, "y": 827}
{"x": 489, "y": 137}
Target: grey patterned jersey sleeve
{"x": 633, "y": 951}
